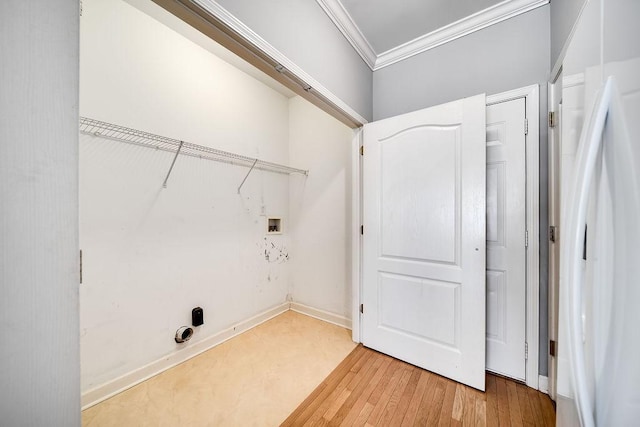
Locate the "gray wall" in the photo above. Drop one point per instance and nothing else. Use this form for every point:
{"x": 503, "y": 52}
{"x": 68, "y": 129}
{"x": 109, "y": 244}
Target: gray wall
{"x": 39, "y": 350}
{"x": 511, "y": 54}
{"x": 302, "y": 31}
{"x": 564, "y": 14}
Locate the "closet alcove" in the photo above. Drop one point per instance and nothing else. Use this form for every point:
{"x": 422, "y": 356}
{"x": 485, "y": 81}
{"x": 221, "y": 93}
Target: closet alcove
{"x": 163, "y": 228}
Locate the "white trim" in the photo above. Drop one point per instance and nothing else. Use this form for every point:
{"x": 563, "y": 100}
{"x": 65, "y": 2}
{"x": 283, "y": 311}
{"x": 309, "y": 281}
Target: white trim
{"x": 543, "y": 384}
{"x": 483, "y": 19}
{"x": 356, "y": 237}
{"x": 319, "y": 314}
{"x": 560, "y": 59}
{"x": 479, "y": 20}
{"x": 532, "y": 108}
{"x": 126, "y": 381}
{"x": 224, "y": 16}
{"x": 531, "y": 96}
{"x": 533, "y": 226}
{"x": 572, "y": 80}
{"x": 510, "y": 95}
{"x": 553, "y": 161}
{"x": 341, "y": 18}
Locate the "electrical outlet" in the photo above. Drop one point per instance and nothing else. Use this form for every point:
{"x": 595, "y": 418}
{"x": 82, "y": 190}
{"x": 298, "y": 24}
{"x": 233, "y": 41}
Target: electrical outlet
{"x": 197, "y": 316}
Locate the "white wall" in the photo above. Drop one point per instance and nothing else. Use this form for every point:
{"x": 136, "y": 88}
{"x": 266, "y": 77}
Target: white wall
{"x": 152, "y": 254}
{"x": 39, "y": 350}
{"x": 302, "y": 31}
{"x": 320, "y": 209}
{"x": 505, "y": 56}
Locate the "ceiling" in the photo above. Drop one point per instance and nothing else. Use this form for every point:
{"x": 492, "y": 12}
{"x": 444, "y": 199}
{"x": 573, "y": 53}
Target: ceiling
{"x": 384, "y": 32}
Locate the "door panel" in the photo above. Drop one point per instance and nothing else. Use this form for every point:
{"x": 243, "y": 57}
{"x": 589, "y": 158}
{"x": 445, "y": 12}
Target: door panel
{"x": 428, "y": 307}
{"x": 411, "y": 229}
{"x": 424, "y": 239}
{"x": 506, "y": 256}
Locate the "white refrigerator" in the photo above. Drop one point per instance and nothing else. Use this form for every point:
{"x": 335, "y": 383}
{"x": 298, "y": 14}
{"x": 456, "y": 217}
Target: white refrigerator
{"x": 598, "y": 381}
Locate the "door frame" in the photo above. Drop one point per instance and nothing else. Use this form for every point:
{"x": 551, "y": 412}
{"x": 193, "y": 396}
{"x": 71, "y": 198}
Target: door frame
{"x": 562, "y": 82}
{"x": 532, "y": 138}
{"x": 554, "y": 221}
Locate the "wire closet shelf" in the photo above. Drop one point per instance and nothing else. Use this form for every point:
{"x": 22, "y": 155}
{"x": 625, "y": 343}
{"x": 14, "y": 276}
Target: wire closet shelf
{"x": 145, "y": 139}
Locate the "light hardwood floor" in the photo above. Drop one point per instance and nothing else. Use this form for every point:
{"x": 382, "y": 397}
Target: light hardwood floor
{"x": 370, "y": 388}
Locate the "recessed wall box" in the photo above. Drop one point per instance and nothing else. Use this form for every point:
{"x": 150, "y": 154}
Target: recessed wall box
{"x": 274, "y": 226}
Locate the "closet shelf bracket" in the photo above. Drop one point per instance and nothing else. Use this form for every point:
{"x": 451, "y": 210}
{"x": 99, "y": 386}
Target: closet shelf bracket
{"x": 164, "y": 184}
{"x": 247, "y": 175}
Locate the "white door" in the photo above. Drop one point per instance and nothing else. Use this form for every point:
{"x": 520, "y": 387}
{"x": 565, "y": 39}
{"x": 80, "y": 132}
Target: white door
{"x": 506, "y": 228}
{"x": 424, "y": 239}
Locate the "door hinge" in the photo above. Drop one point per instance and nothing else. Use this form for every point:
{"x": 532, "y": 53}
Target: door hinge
{"x": 362, "y": 308}
{"x": 526, "y": 126}
{"x": 81, "y": 266}
{"x": 552, "y": 348}
{"x": 526, "y": 239}
{"x": 552, "y": 119}
{"x": 526, "y": 351}
{"x": 362, "y": 230}
{"x": 552, "y": 233}
{"x": 362, "y": 150}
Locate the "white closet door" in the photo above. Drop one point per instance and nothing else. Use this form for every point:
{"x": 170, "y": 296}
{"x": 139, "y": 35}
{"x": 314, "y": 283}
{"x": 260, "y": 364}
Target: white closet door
{"x": 424, "y": 239}
{"x": 506, "y": 253}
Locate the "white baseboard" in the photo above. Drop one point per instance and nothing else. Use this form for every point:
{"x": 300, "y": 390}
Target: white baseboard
{"x": 321, "y": 315}
{"x": 543, "y": 384}
{"x": 120, "y": 384}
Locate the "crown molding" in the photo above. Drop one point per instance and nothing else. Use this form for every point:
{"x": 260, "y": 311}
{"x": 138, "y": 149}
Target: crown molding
{"x": 227, "y": 18}
{"x": 482, "y": 19}
{"x": 341, "y": 18}
{"x": 472, "y": 23}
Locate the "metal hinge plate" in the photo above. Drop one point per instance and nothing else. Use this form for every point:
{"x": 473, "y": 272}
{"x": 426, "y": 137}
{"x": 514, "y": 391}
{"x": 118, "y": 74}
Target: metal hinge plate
{"x": 526, "y": 351}
{"x": 362, "y": 308}
{"x": 362, "y": 230}
{"x": 526, "y": 126}
{"x": 552, "y": 233}
{"x": 552, "y": 119}
{"x": 552, "y": 348}
{"x": 526, "y": 239}
{"x": 362, "y": 150}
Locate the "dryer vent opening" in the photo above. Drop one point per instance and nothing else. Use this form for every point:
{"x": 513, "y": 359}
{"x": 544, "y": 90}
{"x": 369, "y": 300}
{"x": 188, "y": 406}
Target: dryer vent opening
{"x": 183, "y": 334}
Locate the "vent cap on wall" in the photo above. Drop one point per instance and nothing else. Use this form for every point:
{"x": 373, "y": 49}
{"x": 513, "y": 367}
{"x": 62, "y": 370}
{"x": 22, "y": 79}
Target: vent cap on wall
{"x": 183, "y": 334}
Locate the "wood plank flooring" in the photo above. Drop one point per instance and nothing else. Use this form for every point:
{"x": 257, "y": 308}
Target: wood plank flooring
{"x": 370, "y": 388}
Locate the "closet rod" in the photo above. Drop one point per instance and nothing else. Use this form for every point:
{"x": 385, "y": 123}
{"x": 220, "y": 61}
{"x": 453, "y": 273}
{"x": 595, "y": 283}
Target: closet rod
{"x": 145, "y": 139}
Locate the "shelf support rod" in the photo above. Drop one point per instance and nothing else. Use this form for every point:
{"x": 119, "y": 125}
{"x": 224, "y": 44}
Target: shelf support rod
{"x": 247, "y": 175}
{"x": 164, "y": 184}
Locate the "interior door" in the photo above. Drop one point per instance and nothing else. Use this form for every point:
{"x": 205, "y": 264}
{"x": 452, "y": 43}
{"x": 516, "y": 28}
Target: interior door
{"x": 506, "y": 245}
{"x": 424, "y": 239}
